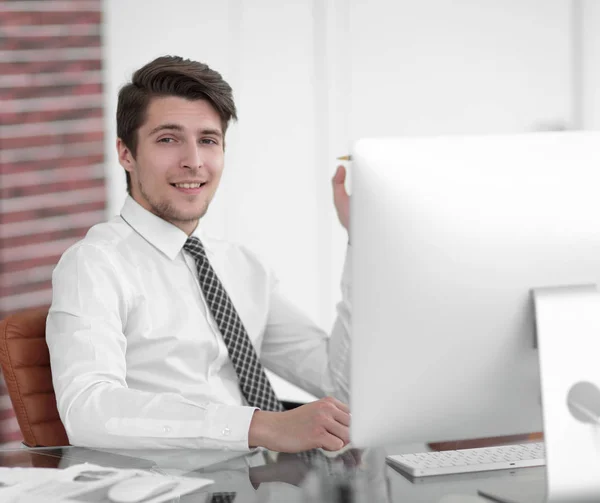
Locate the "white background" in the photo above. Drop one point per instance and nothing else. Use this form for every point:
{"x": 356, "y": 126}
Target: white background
{"x": 312, "y": 76}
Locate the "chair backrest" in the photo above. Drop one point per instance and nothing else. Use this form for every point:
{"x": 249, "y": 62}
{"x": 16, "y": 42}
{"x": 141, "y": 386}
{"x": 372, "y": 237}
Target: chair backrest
{"x": 25, "y": 363}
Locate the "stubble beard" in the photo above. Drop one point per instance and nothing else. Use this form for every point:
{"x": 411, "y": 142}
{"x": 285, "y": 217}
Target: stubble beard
{"x": 168, "y": 212}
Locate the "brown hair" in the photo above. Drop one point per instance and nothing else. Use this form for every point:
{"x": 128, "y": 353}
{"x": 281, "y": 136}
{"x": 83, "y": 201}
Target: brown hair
{"x": 169, "y": 76}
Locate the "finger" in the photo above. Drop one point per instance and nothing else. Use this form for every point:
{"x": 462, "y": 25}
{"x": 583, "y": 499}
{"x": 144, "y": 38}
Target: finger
{"x": 339, "y": 430}
{"x": 340, "y": 176}
{"x": 332, "y": 442}
{"x": 342, "y": 417}
{"x": 340, "y": 405}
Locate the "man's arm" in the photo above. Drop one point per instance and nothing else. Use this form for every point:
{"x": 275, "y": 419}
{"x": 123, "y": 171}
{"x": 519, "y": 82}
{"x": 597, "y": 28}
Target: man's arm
{"x": 87, "y": 343}
{"x": 297, "y": 349}
{"x": 294, "y": 347}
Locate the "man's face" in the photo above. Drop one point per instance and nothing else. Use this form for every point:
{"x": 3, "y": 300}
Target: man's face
{"x": 179, "y": 160}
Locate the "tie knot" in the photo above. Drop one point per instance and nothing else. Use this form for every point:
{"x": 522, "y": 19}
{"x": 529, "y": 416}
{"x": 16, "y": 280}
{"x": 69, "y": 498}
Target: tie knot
{"x": 194, "y": 246}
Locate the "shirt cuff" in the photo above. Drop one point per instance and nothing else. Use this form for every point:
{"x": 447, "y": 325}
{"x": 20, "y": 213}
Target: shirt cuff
{"x": 230, "y": 425}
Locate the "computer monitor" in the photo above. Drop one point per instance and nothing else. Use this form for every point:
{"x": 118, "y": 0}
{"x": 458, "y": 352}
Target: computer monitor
{"x": 450, "y": 236}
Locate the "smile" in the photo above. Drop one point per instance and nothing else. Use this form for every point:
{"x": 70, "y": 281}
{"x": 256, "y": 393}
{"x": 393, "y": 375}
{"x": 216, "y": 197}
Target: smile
{"x": 188, "y": 185}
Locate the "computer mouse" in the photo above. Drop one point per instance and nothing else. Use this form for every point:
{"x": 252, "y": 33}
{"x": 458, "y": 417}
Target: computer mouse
{"x": 140, "y": 488}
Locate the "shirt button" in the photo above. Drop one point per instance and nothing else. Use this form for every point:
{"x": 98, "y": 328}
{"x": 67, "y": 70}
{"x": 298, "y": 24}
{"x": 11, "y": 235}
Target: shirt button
{"x": 226, "y": 431}
{"x": 167, "y": 429}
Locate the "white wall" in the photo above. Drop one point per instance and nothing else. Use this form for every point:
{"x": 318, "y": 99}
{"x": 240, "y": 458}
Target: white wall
{"x": 311, "y": 76}
{"x": 434, "y": 66}
{"x": 590, "y": 63}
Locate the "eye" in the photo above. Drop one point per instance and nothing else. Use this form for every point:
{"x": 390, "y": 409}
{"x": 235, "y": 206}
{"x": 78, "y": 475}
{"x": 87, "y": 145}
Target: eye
{"x": 166, "y": 139}
{"x": 209, "y": 141}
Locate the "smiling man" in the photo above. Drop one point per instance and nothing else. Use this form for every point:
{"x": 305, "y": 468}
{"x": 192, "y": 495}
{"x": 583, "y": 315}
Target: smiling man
{"x": 159, "y": 335}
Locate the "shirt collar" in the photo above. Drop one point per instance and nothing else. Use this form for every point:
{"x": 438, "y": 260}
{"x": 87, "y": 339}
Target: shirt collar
{"x": 161, "y": 234}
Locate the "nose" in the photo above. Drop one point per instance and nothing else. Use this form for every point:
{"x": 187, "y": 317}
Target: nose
{"x": 192, "y": 158}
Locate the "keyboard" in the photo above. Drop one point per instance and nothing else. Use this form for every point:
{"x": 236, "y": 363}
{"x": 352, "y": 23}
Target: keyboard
{"x": 424, "y": 464}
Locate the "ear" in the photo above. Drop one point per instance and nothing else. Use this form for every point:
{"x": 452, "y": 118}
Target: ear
{"x": 125, "y": 156}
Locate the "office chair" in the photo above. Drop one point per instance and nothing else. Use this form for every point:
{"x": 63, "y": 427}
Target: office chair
{"x": 25, "y": 363}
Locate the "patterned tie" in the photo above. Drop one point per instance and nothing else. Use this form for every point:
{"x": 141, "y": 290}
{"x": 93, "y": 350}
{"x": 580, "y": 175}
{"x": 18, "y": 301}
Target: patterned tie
{"x": 251, "y": 375}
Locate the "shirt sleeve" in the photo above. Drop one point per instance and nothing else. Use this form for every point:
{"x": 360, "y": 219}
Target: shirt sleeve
{"x": 85, "y": 332}
{"x": 298, "y": 350}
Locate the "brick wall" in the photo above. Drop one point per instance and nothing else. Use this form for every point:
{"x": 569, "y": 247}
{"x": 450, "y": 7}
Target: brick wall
{"x": 52, "y": 186}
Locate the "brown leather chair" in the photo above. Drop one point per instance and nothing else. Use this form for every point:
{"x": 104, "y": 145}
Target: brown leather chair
{"x": 25, "y": 363}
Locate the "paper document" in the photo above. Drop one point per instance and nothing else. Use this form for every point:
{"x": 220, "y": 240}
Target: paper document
{"x": 82, "y": 483}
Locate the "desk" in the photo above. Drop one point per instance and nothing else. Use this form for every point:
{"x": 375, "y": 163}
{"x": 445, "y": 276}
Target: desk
{"x": 257, "y": 478}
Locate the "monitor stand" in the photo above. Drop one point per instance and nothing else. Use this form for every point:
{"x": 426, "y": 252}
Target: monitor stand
{"x": 568, "y": 339}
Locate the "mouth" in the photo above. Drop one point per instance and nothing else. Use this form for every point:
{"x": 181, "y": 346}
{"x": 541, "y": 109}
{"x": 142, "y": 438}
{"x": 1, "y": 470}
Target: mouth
{"x": 189, "y": 187}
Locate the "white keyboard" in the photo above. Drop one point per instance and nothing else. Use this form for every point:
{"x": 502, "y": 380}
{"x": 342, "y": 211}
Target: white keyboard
{"x": 424, "y": 464}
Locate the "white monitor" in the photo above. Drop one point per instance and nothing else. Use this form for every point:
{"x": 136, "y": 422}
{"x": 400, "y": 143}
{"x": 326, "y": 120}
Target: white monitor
{"x": 450, "y": 235}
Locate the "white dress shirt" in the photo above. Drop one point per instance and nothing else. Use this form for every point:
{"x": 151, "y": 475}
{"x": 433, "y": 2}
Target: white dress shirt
{"x": 137, "y": 359}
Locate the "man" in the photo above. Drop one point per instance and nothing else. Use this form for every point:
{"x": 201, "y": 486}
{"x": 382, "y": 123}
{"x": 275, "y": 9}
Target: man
{"x": 157, "y": 333}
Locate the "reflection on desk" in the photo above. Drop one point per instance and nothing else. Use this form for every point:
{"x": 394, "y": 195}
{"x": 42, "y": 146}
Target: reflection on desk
{"x": 242, "y": 477}
{"x": 259, "y": 478}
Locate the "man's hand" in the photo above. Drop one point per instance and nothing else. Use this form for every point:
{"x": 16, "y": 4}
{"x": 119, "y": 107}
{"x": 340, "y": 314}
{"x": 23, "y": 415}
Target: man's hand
{"x": 324, "y": 423}
{"x": 341, "y": 198}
